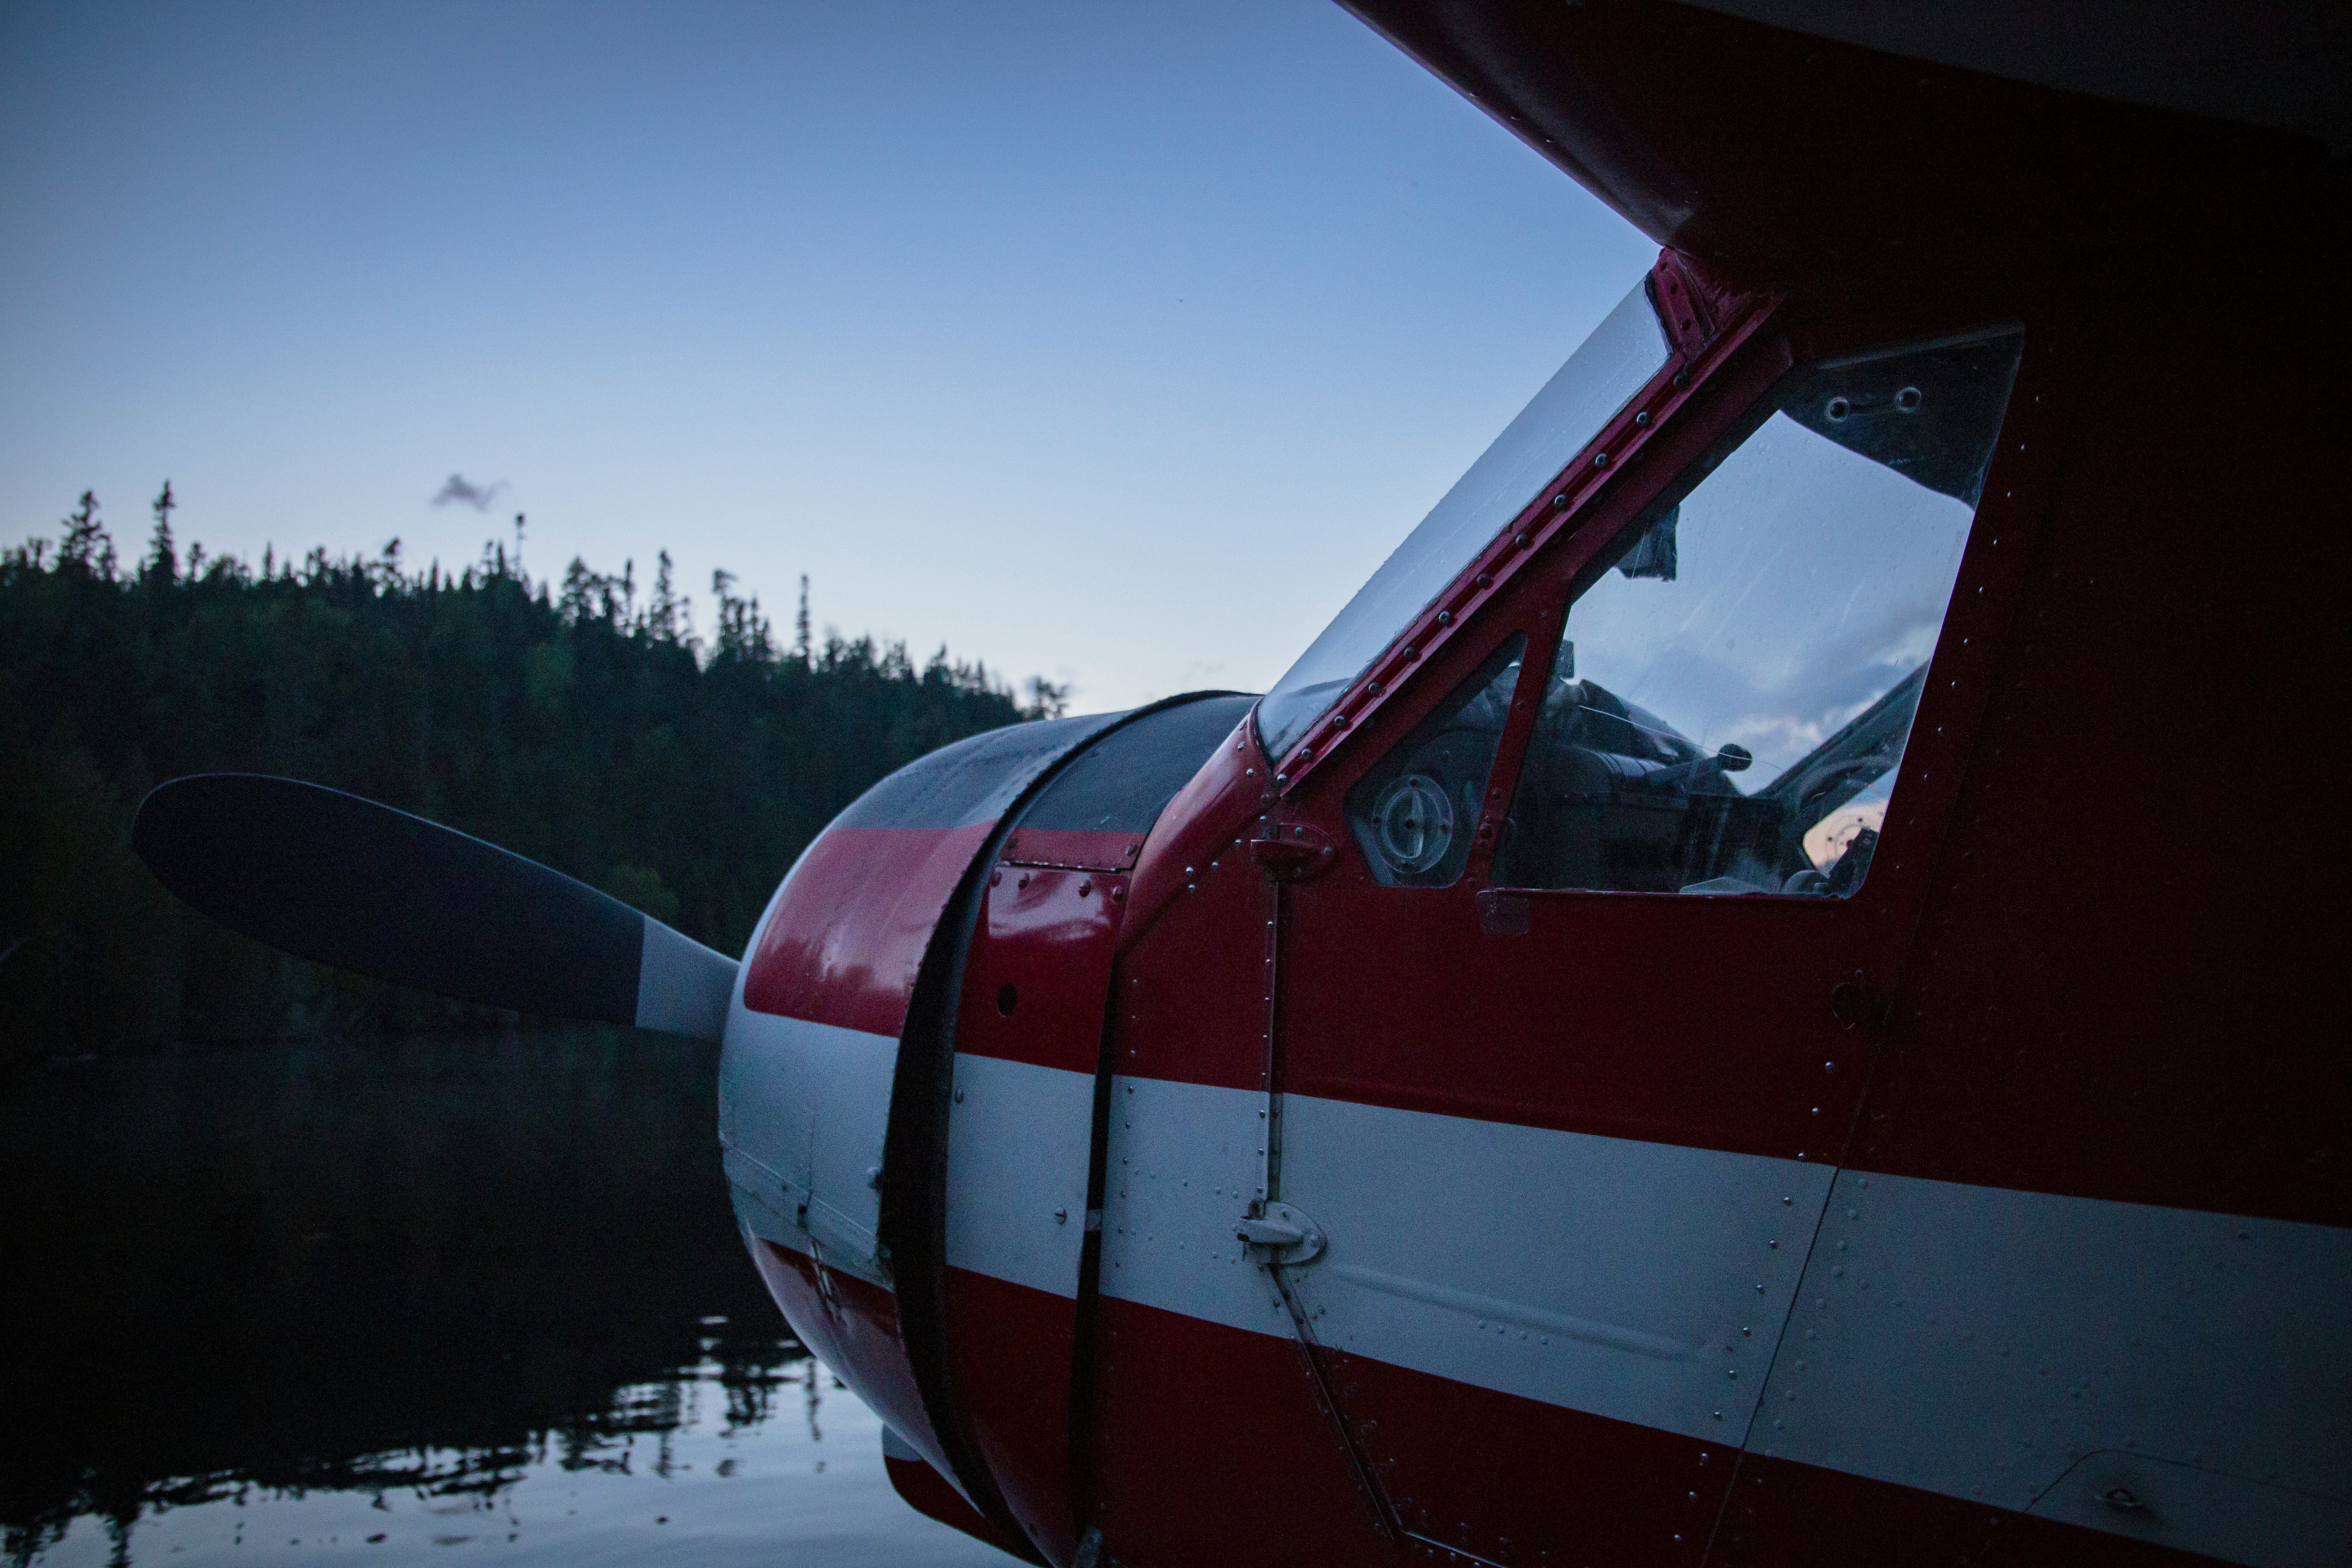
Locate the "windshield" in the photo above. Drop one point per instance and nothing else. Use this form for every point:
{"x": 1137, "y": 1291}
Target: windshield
{"x": 1600, "y": 378}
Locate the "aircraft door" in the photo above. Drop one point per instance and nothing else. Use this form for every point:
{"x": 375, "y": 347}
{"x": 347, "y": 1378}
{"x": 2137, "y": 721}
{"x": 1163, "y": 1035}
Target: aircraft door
{"x": 1574, "y": 1029}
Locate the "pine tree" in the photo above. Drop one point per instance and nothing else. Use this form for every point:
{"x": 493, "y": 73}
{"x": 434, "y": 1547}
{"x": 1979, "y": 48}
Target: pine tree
{"x": 163, "y": 560}
{"x": 87, "y": 548}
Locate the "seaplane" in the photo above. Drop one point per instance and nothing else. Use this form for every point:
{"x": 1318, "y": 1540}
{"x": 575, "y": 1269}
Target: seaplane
{"x": 1751, "y": 1000}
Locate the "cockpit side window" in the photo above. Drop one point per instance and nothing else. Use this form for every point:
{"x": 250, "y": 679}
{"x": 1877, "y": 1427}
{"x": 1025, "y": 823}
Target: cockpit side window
{"x": 1727, "y": 707}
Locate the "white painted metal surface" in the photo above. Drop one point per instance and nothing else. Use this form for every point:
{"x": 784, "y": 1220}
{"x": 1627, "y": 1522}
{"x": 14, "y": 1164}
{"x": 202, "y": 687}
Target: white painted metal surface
{"x": 1017, "y": 1143}
{"x": 802, "y": 1108}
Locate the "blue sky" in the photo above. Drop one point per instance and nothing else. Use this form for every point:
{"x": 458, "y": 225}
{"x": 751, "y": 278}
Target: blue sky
{"x": 1109, "y": 341}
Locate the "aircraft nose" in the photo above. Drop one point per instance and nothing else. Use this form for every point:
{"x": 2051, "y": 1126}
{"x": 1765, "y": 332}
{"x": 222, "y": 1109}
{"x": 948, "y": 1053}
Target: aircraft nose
{"x": 909, "y": 1076}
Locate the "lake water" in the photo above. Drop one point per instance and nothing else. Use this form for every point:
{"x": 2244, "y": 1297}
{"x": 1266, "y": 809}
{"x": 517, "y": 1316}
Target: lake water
{"x": 396, "y": 1300}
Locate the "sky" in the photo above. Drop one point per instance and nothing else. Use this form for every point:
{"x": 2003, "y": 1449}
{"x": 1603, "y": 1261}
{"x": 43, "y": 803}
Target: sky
{"x": 1112, "y": 342}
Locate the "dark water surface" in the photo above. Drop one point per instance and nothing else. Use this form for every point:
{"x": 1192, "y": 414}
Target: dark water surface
{"x": 395, "y": 1300}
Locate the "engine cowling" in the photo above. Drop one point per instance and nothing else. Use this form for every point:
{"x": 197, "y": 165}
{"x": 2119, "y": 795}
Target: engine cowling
{"x": 909, "y": 1085}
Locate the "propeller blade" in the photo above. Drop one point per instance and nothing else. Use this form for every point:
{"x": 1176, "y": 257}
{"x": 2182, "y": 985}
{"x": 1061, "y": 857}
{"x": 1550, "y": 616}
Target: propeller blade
{"x": 331, "y": 877}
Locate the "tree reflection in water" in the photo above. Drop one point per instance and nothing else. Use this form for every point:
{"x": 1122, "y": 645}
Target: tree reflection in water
{"x": 351, "y": 1287}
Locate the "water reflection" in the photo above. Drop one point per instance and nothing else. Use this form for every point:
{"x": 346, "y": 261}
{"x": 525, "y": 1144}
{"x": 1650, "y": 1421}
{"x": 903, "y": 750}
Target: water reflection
{"x": 388, "y": 1300}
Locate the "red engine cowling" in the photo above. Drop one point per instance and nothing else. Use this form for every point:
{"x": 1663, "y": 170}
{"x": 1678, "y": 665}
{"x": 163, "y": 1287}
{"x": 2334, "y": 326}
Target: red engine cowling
{"x": 908, "y": 1090}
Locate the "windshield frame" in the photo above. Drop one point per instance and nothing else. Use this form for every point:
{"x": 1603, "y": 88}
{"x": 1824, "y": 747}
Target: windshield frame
{"x": 1705, "y": 326}
{"x": 1611, "y": 367}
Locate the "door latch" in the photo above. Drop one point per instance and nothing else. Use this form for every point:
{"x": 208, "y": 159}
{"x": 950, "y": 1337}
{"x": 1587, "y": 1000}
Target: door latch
{"x": 1281, "y": 1234}
{"x": 1292, "y": 851}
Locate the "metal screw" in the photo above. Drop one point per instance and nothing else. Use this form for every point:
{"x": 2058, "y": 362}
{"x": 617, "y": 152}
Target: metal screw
{"x": 1601, "y": 460}
{"x": 1061, "y": 1216}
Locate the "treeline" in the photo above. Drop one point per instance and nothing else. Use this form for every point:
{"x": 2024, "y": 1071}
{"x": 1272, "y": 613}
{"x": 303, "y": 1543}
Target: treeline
{"x": 579, "y": 722}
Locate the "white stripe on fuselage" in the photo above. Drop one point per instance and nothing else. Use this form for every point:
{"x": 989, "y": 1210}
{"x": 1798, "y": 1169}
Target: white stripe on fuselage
{"x": 1633, "y": 1280}
{"x": 2017, "y": 1347}
{"x": 1017, "y": 1142}
{"x": 803, "y": 1108}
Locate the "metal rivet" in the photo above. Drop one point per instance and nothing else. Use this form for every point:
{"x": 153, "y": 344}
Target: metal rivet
{"x": 1445, "y": 618}
{"x": 1642, "y": 418}
{"x": 1485, "y": 581}
{"x": 1599, "y": 459}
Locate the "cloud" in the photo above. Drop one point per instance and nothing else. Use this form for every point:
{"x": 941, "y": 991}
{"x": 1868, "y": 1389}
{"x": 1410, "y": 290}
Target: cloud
{"x": 458, "y": 487}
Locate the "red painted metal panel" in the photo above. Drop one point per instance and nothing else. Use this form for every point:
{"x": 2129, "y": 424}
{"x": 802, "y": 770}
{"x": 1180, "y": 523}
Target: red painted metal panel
{"x": 853, "y": 1327}
{"x": 1208, "y": 1448}
{"x": 1739, "y": 142}
{"x": 1605, "y": 1018}
{"x": 1010, "y": 1349}
{"x": 1071, "y": 847}
{"x": 923, "y": 1490}
{"x": 1190, "y": 1001}
{"x": 2126, "y": 985}
{"x": 1206, "y": 815}
{"x": 844, "y": 943}
{"x": 1781, "y": 1512}
{"x": 1039, "y": 967}
{"x": 1544, "y": 1480}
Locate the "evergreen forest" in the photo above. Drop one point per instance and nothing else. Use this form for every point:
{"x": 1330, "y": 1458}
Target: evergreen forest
{"x": 578, "y": 721}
